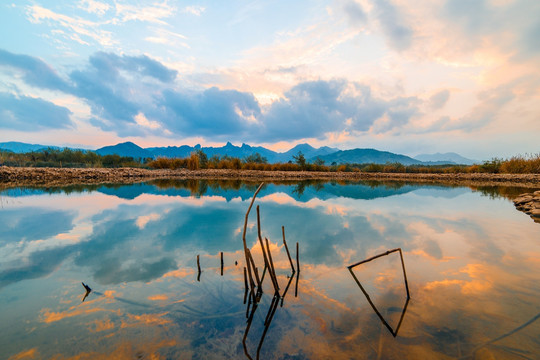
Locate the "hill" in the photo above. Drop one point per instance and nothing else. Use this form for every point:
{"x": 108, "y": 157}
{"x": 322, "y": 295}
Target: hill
{"x": 366, "y": 156}
{"x": 125, "y": 149}
{"x": 21, "y": 148}
{"x": 446, "y": 158}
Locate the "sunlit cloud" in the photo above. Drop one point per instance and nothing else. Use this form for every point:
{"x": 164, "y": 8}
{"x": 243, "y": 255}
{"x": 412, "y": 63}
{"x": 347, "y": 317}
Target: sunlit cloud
{"x": 145, "y": 320}
{"x": 101, "y": 325}
{"x": 26, "y": 354}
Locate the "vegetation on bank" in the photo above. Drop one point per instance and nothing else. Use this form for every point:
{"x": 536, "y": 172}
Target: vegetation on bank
{"x": 529, "y": 164}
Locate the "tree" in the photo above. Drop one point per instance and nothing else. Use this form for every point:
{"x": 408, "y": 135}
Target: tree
{"x": 318, "y": 161}
{"x": 300, "y": 159}
{"x": 203, "y": 159}
{"x": 256, "y": 158}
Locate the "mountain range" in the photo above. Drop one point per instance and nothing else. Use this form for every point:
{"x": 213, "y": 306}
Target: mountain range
{"x": 328, "y": 154}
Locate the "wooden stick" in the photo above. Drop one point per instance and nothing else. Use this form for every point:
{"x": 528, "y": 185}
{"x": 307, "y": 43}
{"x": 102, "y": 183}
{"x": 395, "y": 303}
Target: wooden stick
{"x": 199, "y": 268}
{"x": 245, "y": 278}
{"x": 297, "y": 261}
{"x": 246, "y": 250}
{"x": 404, "y": 274}
{"x": 250, "y": 276}
{"x": 272, "y": 270}
{"x": 222, "y": 263}
{"x": 296, "y": 286}
{"x": 252, "y": 262}
{"x": 287, "y": 288}
{"x": 271, "y": 312}
{"x": 265, "y": 255}
{"x": 287, "y": 248}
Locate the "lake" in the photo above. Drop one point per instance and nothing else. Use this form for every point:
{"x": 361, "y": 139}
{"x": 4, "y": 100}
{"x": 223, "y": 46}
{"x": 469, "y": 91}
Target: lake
{"x": 469, "y": 260}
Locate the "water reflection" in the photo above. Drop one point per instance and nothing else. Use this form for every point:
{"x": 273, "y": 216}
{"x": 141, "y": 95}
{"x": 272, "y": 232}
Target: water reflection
{"x": 88, "y": 291}
{"x": 395, "y": 331}
{"x": 473, "y": 262}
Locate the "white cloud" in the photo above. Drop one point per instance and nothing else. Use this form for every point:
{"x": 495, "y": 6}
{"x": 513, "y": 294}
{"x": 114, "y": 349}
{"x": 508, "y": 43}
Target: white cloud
{"x": 76, "y": 27}
{"x": 95, "y": 7}
{"x": 166, "y": 37}
{"x": 154, "y": 13}
{"x": 195, "y": 10}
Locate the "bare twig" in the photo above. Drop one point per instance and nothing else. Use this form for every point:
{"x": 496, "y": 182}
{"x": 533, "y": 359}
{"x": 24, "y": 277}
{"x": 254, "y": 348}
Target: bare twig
{"x": 287, "y": 248}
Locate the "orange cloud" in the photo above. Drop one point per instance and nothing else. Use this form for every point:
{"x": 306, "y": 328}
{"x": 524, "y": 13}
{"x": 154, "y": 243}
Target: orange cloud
{"x": 158, "y": 297}
{"x": 145, "y": 319}
{"x": 48, "y": 316}
{"x": 180, "y": 273}
{"x": 27, "y": 354}
{"x": 101, "y": 325}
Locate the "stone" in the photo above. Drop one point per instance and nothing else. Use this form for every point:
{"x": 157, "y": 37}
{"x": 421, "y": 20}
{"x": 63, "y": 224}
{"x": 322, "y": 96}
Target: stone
{"x": 535, "y": 213}
{"x": 523, "y": 199}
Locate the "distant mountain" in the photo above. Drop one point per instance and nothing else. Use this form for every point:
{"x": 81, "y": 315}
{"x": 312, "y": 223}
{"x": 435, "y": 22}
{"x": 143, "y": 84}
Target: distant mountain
{"x": 446, "y": 158}
{"x": 367, "y": 156}
{"x": 328, "y": 154}
{"x": 20, "y": 148}
{"x": 171, "y": 151}
{"x": 239, "y": 151}
{"x": 125, "y": 149}
{"x": 306, "y": 149}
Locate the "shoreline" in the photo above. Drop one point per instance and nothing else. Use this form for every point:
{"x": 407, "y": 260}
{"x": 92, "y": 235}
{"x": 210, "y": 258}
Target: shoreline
{"x": 21, "y": 176}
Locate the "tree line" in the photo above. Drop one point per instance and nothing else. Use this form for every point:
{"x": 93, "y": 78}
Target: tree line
{"x": 528, "y": 164}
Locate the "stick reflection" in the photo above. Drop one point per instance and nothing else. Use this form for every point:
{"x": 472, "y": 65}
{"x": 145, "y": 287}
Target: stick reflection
{"x": 350, "y": 267}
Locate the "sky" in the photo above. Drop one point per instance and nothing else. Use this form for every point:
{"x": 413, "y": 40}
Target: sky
{"x": 408, "y": 77}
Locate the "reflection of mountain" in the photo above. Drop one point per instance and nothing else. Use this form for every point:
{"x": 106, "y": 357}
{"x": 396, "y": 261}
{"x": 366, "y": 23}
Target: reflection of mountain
{"x": 300, "y": 191}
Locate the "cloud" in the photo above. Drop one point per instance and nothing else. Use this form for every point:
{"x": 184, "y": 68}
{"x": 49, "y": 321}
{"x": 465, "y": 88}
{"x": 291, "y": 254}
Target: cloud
{"x": 511, "y": 27}
{"x": 394, "y": 26}
{"x": 117, "y": 89}
{"x": 30, "y": 114}
{"x": 35, "y": 71}
{"x": 33, "y": 224}
{"x": 491, "y": 103}
{"x": 196, "y": 10}
{"x": 438, "y": 100}
{"x": 153, "y": 13}
{"x": 312, "y": 109}
{"x": 39, "y": 264}
{"x": 75, "y": 27}
{"x": 355, "y": 13}
{"x": 214, "y": 113}
{"x": 137, "y": 95}
{"x": 109, "y": 64}
{"x": 95, "y": 7}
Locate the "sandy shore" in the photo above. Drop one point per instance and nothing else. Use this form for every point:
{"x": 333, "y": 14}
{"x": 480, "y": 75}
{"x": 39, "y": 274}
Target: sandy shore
{"x": 20, "y": 176}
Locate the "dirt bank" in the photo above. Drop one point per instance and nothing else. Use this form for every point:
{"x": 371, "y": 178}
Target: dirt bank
{"x": 15, "y": 176}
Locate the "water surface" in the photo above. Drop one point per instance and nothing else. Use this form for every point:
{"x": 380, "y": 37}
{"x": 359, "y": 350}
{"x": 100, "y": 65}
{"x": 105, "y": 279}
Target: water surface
{"x": 472, "y": 263}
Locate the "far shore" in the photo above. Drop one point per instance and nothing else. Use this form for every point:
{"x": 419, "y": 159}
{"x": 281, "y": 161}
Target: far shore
{"x": 27, "y": 176}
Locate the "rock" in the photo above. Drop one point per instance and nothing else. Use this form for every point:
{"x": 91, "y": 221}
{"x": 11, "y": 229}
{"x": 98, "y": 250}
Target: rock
{"x": 523, "y": 199}
{"x": 529, "y": 204}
